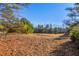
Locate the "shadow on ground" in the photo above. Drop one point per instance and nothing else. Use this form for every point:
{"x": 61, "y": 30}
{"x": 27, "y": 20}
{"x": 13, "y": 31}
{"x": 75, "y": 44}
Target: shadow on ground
{"x": 66, "y": 49}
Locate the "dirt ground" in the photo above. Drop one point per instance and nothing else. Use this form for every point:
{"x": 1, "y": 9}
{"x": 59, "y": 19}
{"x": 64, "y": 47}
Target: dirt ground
{"x": 36, "y": 45}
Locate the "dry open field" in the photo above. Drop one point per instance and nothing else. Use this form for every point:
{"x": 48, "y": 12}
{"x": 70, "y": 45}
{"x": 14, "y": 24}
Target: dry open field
{"x": 35, "y": 45}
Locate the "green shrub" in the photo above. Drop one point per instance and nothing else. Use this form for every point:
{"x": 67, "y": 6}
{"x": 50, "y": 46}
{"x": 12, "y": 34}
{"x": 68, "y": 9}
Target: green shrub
{"x": 26, "y": 26}
{"x": 1, "y": 27}
{"x": 74, "y": 33}
{"x": 22, "y": 26}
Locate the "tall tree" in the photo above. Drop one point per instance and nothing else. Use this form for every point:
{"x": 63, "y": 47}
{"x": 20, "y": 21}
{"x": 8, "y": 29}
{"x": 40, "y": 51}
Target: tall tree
{"x": 73, "y": 15}
{"x": 7, "y": 13}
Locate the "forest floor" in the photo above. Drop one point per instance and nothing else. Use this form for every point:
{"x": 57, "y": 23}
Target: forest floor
{"x": 36, "y": 45}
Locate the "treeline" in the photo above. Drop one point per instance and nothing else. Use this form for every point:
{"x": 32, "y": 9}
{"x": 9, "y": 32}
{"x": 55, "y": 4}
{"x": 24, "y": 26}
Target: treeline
{"x": 49, "y": 28}
{"x": 10, "y": 22}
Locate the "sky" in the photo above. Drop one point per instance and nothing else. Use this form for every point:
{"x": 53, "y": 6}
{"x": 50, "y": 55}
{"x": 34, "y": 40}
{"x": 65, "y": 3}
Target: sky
{"x": 45, "y": 13}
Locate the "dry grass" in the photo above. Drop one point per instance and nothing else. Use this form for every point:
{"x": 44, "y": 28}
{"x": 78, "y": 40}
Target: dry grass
{"x": 30, "y": 44}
